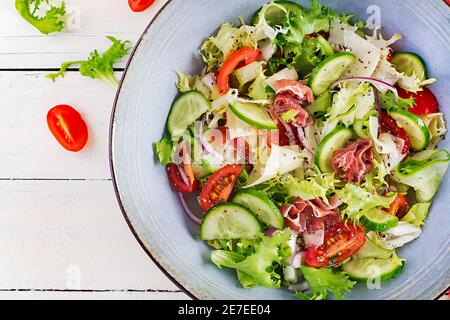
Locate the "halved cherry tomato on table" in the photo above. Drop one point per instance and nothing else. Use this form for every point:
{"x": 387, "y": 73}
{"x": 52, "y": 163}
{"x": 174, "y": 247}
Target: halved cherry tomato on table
{"x": 68, "y": 127}
{"x": 186, "y": 185}
{"x": 342, "y": 241}
{"x": 399, "y": 207}
{"x": 140, "y": 5}
{"x": 235, "y": 60}
{"x": 424, "y": 101}
{"x": 389, "y": 125}
{"x": 219, "y": 186}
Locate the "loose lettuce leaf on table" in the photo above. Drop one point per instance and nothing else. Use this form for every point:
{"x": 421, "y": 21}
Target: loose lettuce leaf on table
{"x": 51, "y": 21}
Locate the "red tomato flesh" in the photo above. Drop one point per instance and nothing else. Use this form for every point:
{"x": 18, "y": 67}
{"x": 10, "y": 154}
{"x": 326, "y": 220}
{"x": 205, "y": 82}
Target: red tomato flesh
{"x": 235, "y": 60}
{"x": 424, "y": 101}
{"x": 389, "y": 125}
{"x": 173, "y": 172}
{"x": 140, "y": 5}
{"x": 219, "y": 186}
{"x": 342, "y": 241}
{"x": 68, "y": 127}
{"x": 399, "y": 207}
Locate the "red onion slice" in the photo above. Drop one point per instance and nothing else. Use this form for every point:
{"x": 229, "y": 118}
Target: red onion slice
{"x": 377, "y": 100}
{"x": 188, "y": 211}
{"x": 302, "y": 138}
{"x": 376, "y": 82}
{"x": 269, "y": 232}
{"x": 297, "y": 259}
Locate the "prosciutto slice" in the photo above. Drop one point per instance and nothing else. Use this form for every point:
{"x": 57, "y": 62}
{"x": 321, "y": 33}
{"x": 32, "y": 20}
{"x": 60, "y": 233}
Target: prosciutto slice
{"x": 354, "y": 161}
{"x": 291, "y": 95}
{"x": 311, "y": 216}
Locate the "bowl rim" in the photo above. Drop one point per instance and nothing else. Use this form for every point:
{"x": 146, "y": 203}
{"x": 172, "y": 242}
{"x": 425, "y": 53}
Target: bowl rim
{"x": 151, "y": 255}
{"x": 112, "y": 166}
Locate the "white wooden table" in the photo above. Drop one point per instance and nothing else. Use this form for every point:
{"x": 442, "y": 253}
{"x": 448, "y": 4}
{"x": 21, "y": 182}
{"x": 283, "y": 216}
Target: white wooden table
{"x": 62, "y": 234}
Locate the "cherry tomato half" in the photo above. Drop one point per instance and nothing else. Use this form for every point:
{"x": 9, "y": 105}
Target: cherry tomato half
{"x": 399, "y": 207}
{"x": 140, "y": 5}
{"x": 389, "y": 125}
{"x": 342, "y": 241}
{"x": 173, "y": 171}
{"x": 237, "y": 59}
{"x": 68, "y": 127}
{"x": 219, "y": 186}
{"x": 424, "y": 101}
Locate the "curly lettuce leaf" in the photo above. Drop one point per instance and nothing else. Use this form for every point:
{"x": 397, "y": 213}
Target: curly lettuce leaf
{"x": 51, "y": 21}
{"x": 258, "y": 268}
{"x": 323, "y": 281}
{"x": 313, "y": 186}
{"x": 98, "y": 66}
{"x": 350, "y": 104}
{"x": 417, "y": 214}
{"x": 424, "y": 172}
{"x": 389, "y": 101}
{"x": 359, "y": 200}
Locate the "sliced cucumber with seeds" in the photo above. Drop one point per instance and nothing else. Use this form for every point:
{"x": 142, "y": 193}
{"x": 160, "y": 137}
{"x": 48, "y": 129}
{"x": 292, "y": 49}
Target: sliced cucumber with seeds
{"x": 275, "y": 16}
{"x": 364, "y": 269}
{"x": 260, "y": 205}
{"x": 410, "y": 63}
{"x": 335, "y": 140}
{"x": 253, "y": 115}
{"x": 417, "y": 130}
{"x": 185, "y": 110}
{"x": 229, "y": 221}
{"x": 378, "y": 220}
{"x": 371, "y": 250}
{"x": 329, "y": 71}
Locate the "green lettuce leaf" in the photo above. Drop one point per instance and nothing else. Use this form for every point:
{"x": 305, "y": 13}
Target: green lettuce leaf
{"x": 322, "y": 281}
{"x": 350, "y": 104}
{"x": 389, "y": 101}
{"x": 424, "y": 172}
{"x": 98, "y": 66}
{"x": 51, "y": 21}
{"x": 315, "y": 185}
{"x": 164, "y": 151}
{"x": 417, "y": 214}
{"x": 359, "y": 200}
{"x": 258, "y": 268}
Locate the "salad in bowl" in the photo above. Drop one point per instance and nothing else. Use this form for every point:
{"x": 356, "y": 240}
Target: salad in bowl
{"x": 311, "y": 148}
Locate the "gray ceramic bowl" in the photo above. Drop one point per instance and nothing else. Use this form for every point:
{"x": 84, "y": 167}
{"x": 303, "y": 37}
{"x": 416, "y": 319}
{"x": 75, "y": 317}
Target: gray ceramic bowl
{"x": 152, "y": 209}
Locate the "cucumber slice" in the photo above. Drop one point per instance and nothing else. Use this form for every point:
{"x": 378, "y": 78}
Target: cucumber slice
{"x": 335, "y": 140}
{"x": 371, "y": 250}
{"x": 363, "y": 269}
{"x": 321, "y": 105}
{"x": 410, "y": 63}
{"x": 261, "y": 206}
{"x": 275, "y": 16}
{"x": 253, "y": 115}
{"x": 185, "y": 110}
{"x": 417, "y": 130}
{"x": 325, "y": 46}
{"x": 329, "y": 71}
{"x": 229, "y": 221}
{"x": 378, "y": 220}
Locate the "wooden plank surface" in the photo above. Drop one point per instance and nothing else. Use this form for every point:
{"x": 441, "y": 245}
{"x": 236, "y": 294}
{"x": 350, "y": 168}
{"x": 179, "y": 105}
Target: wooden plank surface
{"x": 62, "y": 235}
{"x": 23, "y": 47}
